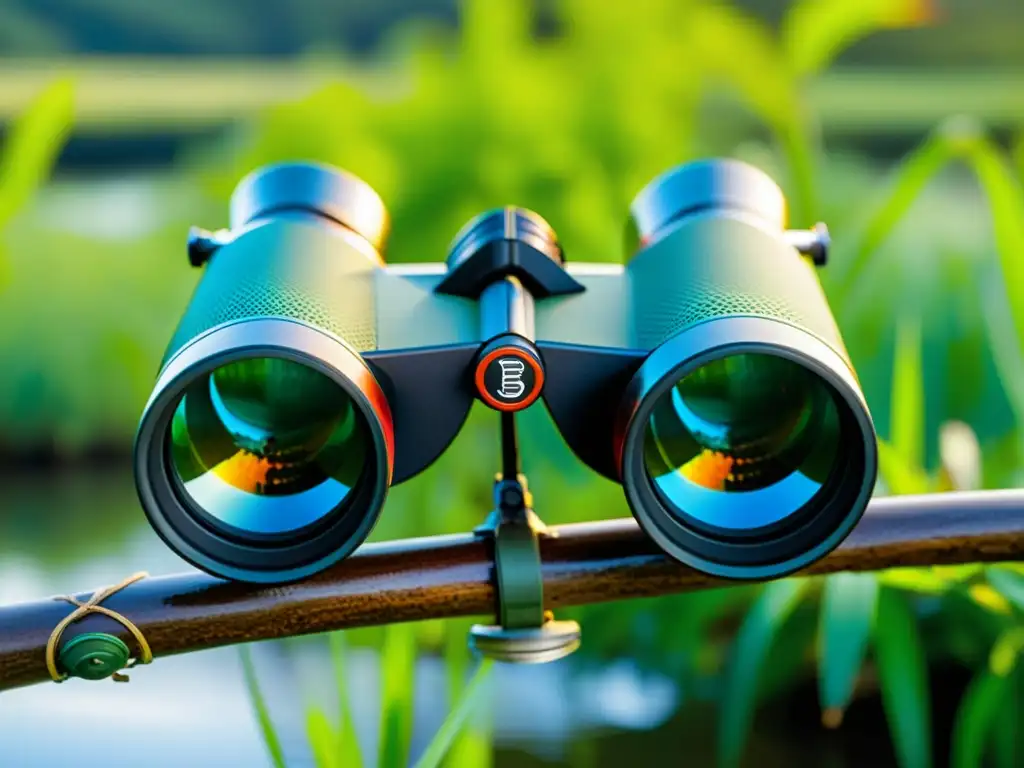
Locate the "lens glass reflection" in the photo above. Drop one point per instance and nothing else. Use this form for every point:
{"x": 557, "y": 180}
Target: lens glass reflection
{"x": 743, "y": 441}
{"x": 267, "y": 446}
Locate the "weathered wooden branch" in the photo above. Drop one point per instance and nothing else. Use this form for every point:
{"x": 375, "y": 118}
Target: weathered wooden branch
{"x": 449, "y": 576}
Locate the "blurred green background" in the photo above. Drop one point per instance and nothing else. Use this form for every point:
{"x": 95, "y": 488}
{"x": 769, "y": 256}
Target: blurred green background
{"x": 897, "y": 122}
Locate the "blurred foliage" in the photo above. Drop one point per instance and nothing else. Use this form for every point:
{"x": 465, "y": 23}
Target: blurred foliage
{"x": 572, "y": 126}
{"x": 29, "y": 151}
{"x": 336, "y": 745}
{"x": 32, "y": 145}
{"x": 575, "y": 141}
{"x": 260, "y": 710}
{"x": 859, "y": 611}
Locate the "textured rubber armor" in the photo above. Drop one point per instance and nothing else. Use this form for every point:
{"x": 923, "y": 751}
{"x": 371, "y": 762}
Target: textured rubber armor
{"x": 718, "y": 264}
{"x": 323, "y": 281}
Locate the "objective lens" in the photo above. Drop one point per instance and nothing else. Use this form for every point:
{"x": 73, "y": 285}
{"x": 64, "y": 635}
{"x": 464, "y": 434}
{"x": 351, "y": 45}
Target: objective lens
{"x": 267, "y": 446}
{"x": 743, "y": 441}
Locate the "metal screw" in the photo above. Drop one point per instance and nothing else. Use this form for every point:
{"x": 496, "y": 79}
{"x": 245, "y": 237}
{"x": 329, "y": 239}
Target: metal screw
{"x": 814, "y": 242}
{"x": 202, "y": 244}
{"x": 511, "y": 497}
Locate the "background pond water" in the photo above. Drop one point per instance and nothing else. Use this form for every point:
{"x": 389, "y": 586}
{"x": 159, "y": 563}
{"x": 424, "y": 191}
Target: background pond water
{"x": 68, "y": 532}
{"x": 75, "y": 531}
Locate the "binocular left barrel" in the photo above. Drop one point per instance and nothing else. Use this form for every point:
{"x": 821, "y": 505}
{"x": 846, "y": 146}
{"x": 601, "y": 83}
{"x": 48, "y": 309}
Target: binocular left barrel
{"x": 266, "y": 450}
{"x": 297, "y": 387}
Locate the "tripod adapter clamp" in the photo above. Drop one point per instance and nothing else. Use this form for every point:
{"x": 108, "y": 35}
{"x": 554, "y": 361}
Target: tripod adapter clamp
{"x": 525, "y": 632}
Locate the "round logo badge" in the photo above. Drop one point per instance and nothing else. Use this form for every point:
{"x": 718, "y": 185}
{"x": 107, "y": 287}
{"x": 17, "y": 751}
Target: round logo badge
{"x": 509, "y": 379}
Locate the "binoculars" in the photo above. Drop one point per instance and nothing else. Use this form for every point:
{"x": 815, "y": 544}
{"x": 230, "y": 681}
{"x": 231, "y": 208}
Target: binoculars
{"x": 307, "y": 376}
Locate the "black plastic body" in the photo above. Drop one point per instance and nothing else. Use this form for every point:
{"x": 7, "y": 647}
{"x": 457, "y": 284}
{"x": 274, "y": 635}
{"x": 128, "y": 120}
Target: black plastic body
{"x": 430, "y": 392}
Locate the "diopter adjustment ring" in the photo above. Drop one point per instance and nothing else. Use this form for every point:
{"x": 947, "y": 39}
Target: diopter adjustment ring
{"x": 692, "y": 188}
{"x": 315, "y": 188}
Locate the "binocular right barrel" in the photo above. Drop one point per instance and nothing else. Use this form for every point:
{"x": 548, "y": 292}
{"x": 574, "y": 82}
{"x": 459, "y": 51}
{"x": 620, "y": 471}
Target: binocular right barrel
{"x": 721, "y": 398}
{"x": 744, "y": 443}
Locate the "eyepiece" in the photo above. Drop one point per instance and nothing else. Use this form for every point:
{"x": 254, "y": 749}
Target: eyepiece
{"x": 700, "y": 186}
{"x": 313, "y": 188}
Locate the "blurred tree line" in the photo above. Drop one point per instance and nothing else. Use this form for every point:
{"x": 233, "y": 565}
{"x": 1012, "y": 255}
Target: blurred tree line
{"x": 979, "y": 32}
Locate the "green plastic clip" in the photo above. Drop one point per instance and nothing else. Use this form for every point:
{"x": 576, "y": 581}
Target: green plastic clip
{"x": 525, "y": 634}
{"x": 93, "y": 656}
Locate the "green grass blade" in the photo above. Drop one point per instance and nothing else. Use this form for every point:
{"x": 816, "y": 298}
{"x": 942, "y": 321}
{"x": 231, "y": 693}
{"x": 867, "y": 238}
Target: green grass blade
{"x": 473, "y": 748}
{"x": 347, "y": 742}
{"x": 988, "y": 598}
{"x": 398, "y": 667}
{"x": 847, "y": 618}
{"x": 1018, "y": 154}
{"x": 1006, "y": 200}
{"x": 584, "y": 752}
{"x": 750, "y": 650}
{"x": 800, "y": 146}
{"x": 925, "y": 581}
{"x": 980, "y": 717}
{"x": 1008, "y": 741}
{"x": 5, "y": 267}
{"x": 33, "y": 143}
{"x": 1006, "y": 651}
{"x": 740, "y": 50}
{"x": 456, "y": 656}
{"x": 472, "y": 745}
{"x": 1007, "y": 583}
{"x": 906, "y": 420}
{"x": 792, "y": 652}
{"x": 903, "y": 676}
{"x": 754, "y": 68}
{"x": 976, "y": 717}
{"x": 899, "y": 475}
{"x": 814, "y": 32}
{"x": 453, "y": 724}
{"x": 906, "y": 184}
{"x": 323, "y": 740}
{"x": 1007, "y": 352}
{"x": 259, "y": 708}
